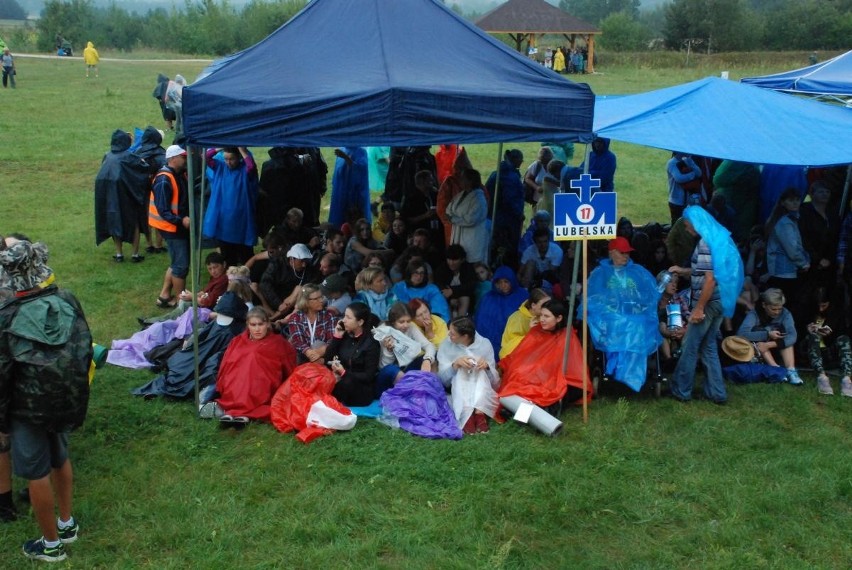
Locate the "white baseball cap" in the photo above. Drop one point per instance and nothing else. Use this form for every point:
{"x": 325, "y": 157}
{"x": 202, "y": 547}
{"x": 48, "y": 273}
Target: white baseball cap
{"x": 174, "y": 151}
{"x": 299, "y": 251}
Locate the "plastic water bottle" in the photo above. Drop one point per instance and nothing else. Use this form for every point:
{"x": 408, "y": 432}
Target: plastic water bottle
{"x": 667, "y": 277}
{"x": 675, "y": 319}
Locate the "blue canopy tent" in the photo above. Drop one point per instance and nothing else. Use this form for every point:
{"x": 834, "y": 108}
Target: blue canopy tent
{"x": 382, "y": 72}
{"x": 725, "y": 119}
{"x": 830, "y": 79}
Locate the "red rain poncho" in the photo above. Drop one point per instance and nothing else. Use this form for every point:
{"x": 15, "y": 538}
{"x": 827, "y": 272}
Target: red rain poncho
{"x": 533, "y": 369}
{"x": 291, "y": 405}
{"x": 251, "y": 372}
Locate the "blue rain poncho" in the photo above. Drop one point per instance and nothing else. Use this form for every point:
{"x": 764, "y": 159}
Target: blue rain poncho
{"x": 623, "y": 319}
{"x": 727, "y": 263}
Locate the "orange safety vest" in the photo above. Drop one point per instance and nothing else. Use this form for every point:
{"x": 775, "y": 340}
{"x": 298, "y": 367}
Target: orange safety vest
{"x": 154, "y": 218}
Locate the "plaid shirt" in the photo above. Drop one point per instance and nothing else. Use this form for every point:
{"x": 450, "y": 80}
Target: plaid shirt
{"x": 299, "y": 334}
{"x": 702, "y": 261}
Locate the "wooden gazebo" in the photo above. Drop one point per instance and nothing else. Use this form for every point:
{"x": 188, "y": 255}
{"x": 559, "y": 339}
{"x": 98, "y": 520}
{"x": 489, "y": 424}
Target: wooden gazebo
{"x": 527, "y": 19}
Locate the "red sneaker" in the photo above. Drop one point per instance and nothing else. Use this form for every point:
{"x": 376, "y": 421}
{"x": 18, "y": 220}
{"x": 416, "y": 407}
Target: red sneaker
{"x": 481, "y": 423}
{"x": 470, "y": 425}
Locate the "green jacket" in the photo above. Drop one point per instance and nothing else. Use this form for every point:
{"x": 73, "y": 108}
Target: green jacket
{"x": 45, "y": 351}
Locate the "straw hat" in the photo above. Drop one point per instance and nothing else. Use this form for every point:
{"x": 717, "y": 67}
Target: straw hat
{"x": 737, "y": 348}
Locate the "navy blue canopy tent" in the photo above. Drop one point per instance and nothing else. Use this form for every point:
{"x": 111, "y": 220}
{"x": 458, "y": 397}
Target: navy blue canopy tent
{"x": 828, "y": 79}
{"x": 725, "y": 119}
{"x": 382, "y": 72}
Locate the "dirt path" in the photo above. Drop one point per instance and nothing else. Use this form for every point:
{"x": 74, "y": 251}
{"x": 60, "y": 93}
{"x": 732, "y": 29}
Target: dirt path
{"x": 78, "y": 59}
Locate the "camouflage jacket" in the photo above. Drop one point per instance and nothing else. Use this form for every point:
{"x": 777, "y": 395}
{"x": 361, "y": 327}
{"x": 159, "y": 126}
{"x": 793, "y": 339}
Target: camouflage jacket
{"x": 45, "y": 351}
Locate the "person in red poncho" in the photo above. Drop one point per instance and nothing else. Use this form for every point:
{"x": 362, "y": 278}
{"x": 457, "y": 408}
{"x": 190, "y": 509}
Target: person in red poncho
{"x": 534, "y": 369}
{"x": 254, "y": 366}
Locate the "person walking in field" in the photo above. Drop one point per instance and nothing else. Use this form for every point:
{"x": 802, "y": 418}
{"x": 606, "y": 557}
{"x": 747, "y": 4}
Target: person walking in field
{"x": 91, "y": 57}
{"x": 8, "y": 63}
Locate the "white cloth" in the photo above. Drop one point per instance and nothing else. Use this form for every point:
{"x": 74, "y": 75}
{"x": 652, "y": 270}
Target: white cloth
{"x": 469, "y": 390}
{"x": 468, "y": 212}
{"x": 424, "y": 346}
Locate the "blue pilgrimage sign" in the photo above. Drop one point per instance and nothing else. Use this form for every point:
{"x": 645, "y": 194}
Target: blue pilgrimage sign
{"x": 587, "y": 215}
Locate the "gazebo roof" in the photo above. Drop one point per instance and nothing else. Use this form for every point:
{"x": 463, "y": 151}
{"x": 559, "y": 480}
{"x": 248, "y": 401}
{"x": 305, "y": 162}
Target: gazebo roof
{"x": 532, "y": 17}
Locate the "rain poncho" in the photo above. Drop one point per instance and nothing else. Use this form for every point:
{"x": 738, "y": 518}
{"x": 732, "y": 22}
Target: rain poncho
{"x": 470, "y": 390}
{"x": 121, "y": 192}
{"x": 623, "y": 319}
{"x": 130, "y": 353}
{"x": 303, "y": 399}
{"x": 233, "y": 198}
{"x": 350, "y": 188}
{"x": 418, "y": 404}
{"x": 727, "y": 263}
{"x": 495, "y": 308}
{"x": 533, "y": 369}
{"x": 251, "y": 372}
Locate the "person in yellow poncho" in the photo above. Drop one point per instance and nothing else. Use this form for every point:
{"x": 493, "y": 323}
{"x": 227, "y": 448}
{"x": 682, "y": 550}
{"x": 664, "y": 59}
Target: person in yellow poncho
{"x": 520, "y": 322}
{"x": 91, "y": 57}
{"x": 559, "y": 61}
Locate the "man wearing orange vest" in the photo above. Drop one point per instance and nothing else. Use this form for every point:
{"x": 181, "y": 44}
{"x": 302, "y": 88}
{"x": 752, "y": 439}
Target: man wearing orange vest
{"x": 169, "y": 213}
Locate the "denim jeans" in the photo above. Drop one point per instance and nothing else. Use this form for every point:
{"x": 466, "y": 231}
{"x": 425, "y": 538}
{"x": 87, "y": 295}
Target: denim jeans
{"x": 700, "y": 342}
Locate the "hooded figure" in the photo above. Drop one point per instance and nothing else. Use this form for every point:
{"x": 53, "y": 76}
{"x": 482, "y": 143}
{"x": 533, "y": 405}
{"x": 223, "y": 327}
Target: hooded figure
{"x": 291, "y": 178}
{"x": 350, "y": 187}
{"x": 121, "y": 192}
{"x": 449, "y": 188}
{"x": 602, "y": 164}
{"x": 151, "y": 150}
{"x": 497, "y": 306}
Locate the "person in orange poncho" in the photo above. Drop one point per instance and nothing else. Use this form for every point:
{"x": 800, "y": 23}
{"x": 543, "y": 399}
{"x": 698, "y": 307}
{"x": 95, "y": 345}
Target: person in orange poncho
{"x": 533, "y": 369}
{"x": 254, "y": 366}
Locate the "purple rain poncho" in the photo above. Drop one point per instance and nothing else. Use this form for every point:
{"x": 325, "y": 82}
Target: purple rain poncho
{"x": 130, "y": 353}
{"x": 418, "y": 404}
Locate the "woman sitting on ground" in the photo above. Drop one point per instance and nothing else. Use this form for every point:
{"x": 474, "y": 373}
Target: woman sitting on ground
{"x": 522, "y": 320}
{"x": 360, "y": 244}
{"x": 417, "y": 286}
{"x": 310, "y": 327}
{"x": 466, "y": 365}
{"x": 353, "y": 355}
{"x": 373, "y": 290}
{"x": 432, "y": 326}
{"x": 534, "y": 369}
{"x": 390, "y": 368}
{"x": 771, "y": 328}
{"x": 255, "y": 364}
{"x": 828, "y": 335}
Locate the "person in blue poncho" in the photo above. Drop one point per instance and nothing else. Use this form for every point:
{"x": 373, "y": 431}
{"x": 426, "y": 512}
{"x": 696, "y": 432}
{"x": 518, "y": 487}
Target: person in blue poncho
{"x": 497, "y": 305}
{"x": 622, "y": 314}
{"x": 350, "y": 187}
{"x": 230, "y": 215}
{"x": 415, "y": 285}
{"x": 602, "y": 164}
{"x": 510, "y": 204}
{"x": 716, "y": 276}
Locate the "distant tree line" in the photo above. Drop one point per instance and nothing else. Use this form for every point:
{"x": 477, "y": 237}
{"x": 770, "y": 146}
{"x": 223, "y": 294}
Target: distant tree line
{"x": 11, "y": 10}
{"x": 719, "y": 25}
{"x": 218, "y": 28}
{"x": 203, "y": 27}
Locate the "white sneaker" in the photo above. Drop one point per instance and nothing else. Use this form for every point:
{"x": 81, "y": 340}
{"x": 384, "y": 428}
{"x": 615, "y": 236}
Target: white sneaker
{"x": 824, "y": 386}
{"x": 210, "y": 410}
{"x": 846, "y": 387}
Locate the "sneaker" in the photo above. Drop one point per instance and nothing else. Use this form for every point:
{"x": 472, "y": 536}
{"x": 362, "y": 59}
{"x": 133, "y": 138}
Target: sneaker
{"x": 793, "y": 377}
{"x": 209, "y": 411}
{"x": 846, "y": 387}
{"x": 470, "y": 426}
{"x": 824, "y": 386}
{"x": 36, "y": 550}
{"x": 68, "y": 534}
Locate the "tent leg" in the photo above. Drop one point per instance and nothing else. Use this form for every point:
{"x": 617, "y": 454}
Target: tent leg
{"x": 845, "y": 190}
{"x": 193, "y": 268}
{"x": 494, "y": 202}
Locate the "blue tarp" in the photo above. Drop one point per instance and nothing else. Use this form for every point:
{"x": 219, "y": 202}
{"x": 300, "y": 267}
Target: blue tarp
{"x": 830, "y": 77}
{"x": 382, "y": 72}
{"x": 725, "y": 119}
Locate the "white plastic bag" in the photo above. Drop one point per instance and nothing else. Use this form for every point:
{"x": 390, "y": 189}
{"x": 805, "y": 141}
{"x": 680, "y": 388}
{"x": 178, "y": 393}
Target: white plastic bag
{"x": 405, "y": 348}
{"x": 329, "y": 418}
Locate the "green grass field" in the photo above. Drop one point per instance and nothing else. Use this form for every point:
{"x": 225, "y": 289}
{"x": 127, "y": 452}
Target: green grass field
{"x": 765, "y": 482}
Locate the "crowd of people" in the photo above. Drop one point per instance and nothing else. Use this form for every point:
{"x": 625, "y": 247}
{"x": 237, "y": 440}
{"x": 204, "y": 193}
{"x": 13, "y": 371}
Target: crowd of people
{"x": 440, "y": 282}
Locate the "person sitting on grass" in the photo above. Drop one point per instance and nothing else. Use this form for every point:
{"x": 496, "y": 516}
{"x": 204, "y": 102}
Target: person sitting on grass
{"x": 373, "y": 290}
{"x": 771, "y": 328}
{"x": 255, "y": 364}
{"x": 521, "y": 321}
{"x": 353, "y": 355}
{"x": 671, "y": 335}
{"x": 494, "y": 308}
{"x": 534, "y": 369}
{"x": 466, "y": 366}
{"x": 311, "y": 327}
{"x": 433, "y": 327}
{"x": 391, "y": 368}
{"x": 416, "y": 286}
{"x": 827, "y": 335}
{"x": 207, "y": 298}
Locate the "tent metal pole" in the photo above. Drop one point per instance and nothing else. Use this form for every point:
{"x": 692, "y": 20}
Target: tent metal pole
{"x": 193, "y": 268}
{"x": 845, "y": 190}
{"x": 494, "y": 202}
